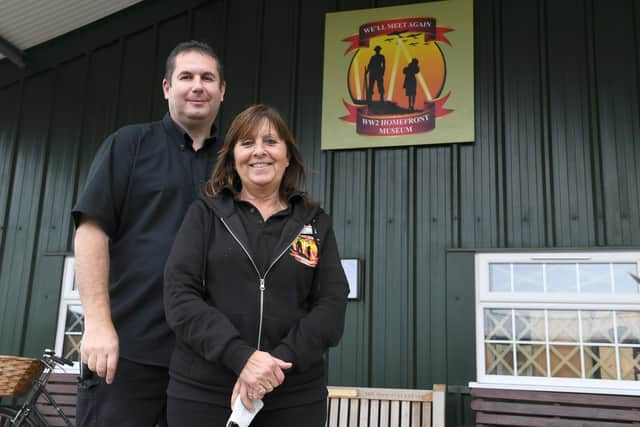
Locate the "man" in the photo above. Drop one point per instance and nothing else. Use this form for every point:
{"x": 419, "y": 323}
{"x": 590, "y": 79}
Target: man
{"x": 141, "y": 182}
{"x": 375, "y": 69}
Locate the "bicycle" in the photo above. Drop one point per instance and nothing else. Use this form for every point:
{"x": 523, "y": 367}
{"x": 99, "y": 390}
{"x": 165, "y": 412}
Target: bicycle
{"x": 27, "y": 414}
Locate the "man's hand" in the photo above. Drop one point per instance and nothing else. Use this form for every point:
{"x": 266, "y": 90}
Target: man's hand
{"x": 100, "y": 349}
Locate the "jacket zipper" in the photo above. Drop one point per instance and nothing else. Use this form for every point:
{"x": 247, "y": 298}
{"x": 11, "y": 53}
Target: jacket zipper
{"x": 261, "y": 278}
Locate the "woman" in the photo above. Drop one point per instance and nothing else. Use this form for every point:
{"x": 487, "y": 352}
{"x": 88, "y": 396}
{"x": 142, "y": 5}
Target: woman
{"x": 409, "y": 85}
{"x": 254, "y": 288}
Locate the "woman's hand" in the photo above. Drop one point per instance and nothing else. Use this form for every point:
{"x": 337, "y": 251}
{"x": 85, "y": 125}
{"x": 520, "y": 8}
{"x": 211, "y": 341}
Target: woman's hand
{"x": 240, "y": 389}
{"x": 260, "y": 375}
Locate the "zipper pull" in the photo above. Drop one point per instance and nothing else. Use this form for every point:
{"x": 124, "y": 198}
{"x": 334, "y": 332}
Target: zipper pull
{"x": 261, "y": 284}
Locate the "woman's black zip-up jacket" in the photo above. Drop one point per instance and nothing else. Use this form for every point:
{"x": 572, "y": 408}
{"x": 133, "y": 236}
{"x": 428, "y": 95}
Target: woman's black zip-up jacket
{"x": 294, "y": 310}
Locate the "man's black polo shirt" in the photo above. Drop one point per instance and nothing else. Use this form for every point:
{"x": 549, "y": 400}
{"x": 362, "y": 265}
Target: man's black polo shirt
{"x": 141, "y": 182}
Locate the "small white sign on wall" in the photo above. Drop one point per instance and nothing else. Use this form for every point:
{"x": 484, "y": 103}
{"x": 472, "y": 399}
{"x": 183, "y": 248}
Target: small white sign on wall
{"x": 351, "y": 268}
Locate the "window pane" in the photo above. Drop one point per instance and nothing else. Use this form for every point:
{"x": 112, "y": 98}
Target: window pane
{"x": 500, "y": 277}
{"x": 74, "y": 319}
{"x": 628, "y": 327}
{"x": 527, "y": 278}
{"x": 630, "y": 363}
{"x": 625, "y": 284}
{"x": 499, "y": 359}
{"x": 497, "y": 324}
{"x": 600, "y": 362}
{"x": 597, "y": 326}
{"x": 530, "y": 325}
{"x": 560, "y": 319}
{"x": 532, "y": 360}
{"x": 71, "y": 347}
{"x": 565, "y": 361}
{"x": 595, "y": 278}
{"x": 562, "y": 278}
{"x": 563, "y": 326}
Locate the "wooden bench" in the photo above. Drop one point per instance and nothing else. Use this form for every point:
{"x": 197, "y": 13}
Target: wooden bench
{"x": 539, "y": 408}
{"x": 347, "y": 406}
{"x": 384, "y": 407}
{"x": 64, "y": 389}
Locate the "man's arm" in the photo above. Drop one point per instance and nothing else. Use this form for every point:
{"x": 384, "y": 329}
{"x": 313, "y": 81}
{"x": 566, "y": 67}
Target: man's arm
{"x": 100, "y": 348}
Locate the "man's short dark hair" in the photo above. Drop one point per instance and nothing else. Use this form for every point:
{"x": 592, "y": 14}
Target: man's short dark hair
{"x": 191, "y": 46}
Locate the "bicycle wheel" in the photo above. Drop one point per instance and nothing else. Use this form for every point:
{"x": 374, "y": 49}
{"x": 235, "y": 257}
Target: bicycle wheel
{"x": 7, "y": 414}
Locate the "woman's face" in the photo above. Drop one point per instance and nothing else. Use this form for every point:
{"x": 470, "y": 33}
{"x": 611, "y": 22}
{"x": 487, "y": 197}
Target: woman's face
{"x": 261, "y": 159}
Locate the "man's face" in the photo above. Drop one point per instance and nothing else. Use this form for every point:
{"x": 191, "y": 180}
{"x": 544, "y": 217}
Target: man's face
{"x": 195, "y": 91}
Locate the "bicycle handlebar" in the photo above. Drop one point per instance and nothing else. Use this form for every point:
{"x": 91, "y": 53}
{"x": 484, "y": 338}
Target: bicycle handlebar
{"x": 59, "y": 360}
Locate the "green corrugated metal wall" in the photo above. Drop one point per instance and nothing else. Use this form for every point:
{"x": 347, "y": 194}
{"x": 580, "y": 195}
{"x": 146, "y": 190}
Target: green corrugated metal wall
{"x": 554, "y": 163}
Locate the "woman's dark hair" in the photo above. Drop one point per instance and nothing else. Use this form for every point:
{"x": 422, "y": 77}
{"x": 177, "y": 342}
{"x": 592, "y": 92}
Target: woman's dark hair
{"x": 243, "y": 126}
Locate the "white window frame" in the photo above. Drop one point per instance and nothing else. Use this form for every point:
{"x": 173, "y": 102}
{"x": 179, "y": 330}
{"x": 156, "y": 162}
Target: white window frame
{"x": 557, "y": 301}
{"x": 68, "y": 296}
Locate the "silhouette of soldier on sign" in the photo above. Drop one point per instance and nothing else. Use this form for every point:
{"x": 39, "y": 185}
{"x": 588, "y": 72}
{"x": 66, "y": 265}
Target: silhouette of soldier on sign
{"x": 375, "y": 71}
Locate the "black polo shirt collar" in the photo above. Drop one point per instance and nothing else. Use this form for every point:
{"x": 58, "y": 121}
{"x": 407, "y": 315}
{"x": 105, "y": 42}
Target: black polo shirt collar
{"x": 181, "y": 137}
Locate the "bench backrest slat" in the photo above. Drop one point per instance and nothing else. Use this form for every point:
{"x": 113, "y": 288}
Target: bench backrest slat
{"x": 374, "y": 407}
{"x": 416, "y": 409}
{"x": 426, "y": 414}
{"x": 355, "y": 409}
{"x": 405, "y": 416}
{"x": 364, "y": 409}
{"x": 395, "y": 414}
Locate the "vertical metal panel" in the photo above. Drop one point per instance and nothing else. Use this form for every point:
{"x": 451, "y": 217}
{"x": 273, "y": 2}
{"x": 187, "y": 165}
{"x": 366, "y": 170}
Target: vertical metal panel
{"x": 349, "y": 362}
{"x": 569, "y": 126}
{"x": 279, "y": 55}
{"x": 100, "y": 109}
{"x": 594, "y": 140}
{"x": 9, "y": 116}
{"x": 209, "y": 24}
{"x": 391, "y": 346}
{"x": 242, "y": 58}
{"x": 23, "y": 208}
{"x": 9, "y": 113}
{"x": 458, "y": 407}
{"x": 479, "y": 169}
{"x": 55, "y": 223}
{"x": 460, "y": 320}
{"x": 138, "y": 58}
{"x": 433, "y": 236}
{"x": 522, "y": 125}
{"x": 617, "y": 89}
{"x": 309, "y": 91}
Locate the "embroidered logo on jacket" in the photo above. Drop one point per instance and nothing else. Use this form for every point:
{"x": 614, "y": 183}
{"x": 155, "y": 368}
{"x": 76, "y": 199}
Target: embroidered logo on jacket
{"x": 304, "y": 249}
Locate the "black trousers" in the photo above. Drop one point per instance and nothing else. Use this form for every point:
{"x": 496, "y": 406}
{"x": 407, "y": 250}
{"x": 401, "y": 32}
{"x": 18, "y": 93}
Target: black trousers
{"x": 181, "y": 413}
{"x": 137, "y": 397}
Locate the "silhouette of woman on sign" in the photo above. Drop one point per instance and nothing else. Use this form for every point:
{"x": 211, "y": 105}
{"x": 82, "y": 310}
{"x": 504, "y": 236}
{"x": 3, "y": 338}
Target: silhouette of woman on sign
{"x": 409, "y": 85}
